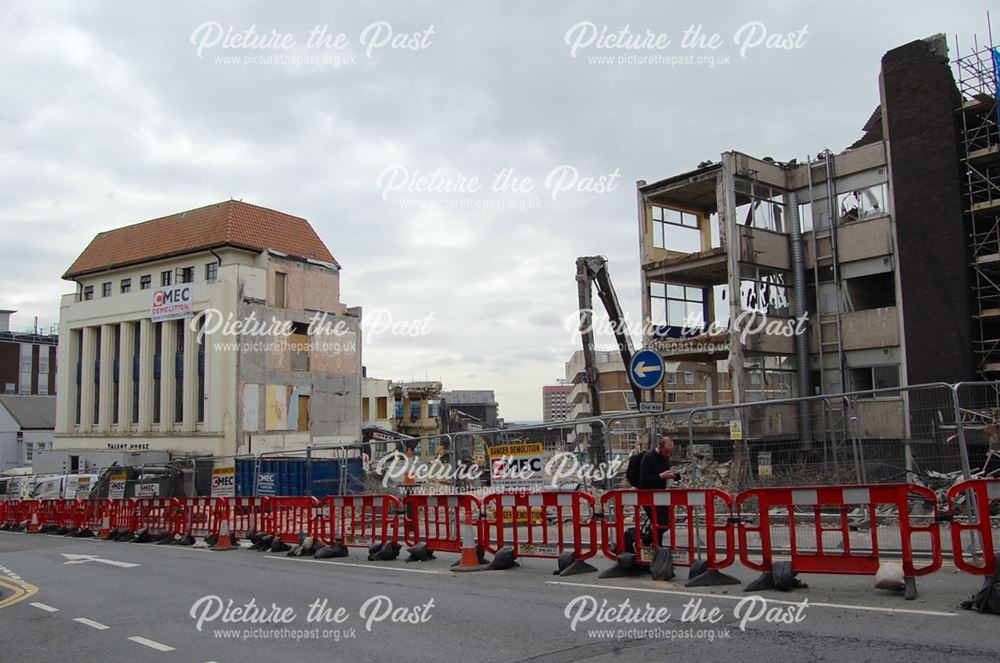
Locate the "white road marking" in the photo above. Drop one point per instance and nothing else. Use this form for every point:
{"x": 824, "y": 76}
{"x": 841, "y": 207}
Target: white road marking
{"x": 152, "y": 644}
{"x": 360, "y": 566}
{"x": 72, "y": 558}
{"x": 812, "y": 604}
{"x": 91, "y": 623}
{"x": 42, "y": 606}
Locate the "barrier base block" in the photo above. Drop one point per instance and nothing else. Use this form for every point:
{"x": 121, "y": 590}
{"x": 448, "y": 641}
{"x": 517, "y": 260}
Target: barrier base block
{"x": 909, "y": 588}
{"x": 712, "y": 578}
{"x": 576, "y": 568}
{"x": 624, "y": 566}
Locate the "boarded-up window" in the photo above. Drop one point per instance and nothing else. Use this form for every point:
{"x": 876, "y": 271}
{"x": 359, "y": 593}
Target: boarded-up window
{"x": 382, "y": 404}
{"x": 299, "y": 345}
{"x": 303, "y": 423}
{"x": 279, "y": 289}
{"x": 364, "y": 408}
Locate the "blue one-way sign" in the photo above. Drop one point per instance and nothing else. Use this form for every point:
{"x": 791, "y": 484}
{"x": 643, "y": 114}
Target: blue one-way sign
{"x": 646, "y": 369}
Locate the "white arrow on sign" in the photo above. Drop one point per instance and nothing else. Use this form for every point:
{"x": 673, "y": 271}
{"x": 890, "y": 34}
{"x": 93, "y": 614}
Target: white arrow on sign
{"x": 83, "y": 559}
{"x": 641, "y": 369}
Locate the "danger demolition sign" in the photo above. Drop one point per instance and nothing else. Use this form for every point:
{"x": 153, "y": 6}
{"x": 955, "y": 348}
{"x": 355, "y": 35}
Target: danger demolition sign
{"x": 517, "y": 466}
{"x": 224, "y": 482}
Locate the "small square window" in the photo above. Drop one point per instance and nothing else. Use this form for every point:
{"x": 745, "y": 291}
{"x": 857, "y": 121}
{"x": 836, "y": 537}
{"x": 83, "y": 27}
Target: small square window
{"x": 688, "y": 378}
{"x": 166, "y": 278}
{"x": 88, "y": 293}
{"x": 106, "y": 289}
{"x": 145, "y": 282}
{"x": 212, "y": 271}
{"x": 126, "y": 285}
{"x": 185, "y": 274}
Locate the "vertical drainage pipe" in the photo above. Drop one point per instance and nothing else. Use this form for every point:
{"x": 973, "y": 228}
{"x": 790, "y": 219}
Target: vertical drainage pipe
{"x": 801, "y": 340}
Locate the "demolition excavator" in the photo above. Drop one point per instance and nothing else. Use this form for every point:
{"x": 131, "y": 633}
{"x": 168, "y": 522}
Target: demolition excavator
{"x": 591, "y": 272}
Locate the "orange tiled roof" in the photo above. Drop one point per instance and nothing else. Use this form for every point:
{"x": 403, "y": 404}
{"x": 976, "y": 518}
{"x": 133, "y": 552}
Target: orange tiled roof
{"x": 229, "y": 223}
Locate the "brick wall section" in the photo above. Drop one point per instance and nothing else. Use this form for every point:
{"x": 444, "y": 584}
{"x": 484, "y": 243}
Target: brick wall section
{"x": 919, "y": 103}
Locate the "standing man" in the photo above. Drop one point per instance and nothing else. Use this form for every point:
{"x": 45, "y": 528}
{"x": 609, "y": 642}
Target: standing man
{"x": 654, "y": 472}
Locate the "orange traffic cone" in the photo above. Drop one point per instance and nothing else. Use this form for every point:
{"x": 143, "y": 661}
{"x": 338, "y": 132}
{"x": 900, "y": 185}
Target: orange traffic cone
{"x": 471, "y": 559}
{"x": 225, "y": 541}
{"x": 105, "y": 526}
{"x": 33, "y": 525}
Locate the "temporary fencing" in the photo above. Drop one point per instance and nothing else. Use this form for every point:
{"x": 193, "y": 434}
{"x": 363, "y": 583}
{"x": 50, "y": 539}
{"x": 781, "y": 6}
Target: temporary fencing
{"x": 848, "y": 529}
{"x": 291, "y": 517}
{"x": 525, "y": 522}
{"x": 249, "y": 514}
{"x": 201, "y": 516}
{"x": 975, "y": 534}
{"x": 437, "y": 520}
{"x": 683, "y": 520}
{"x": 820, "y": 522}
{"x": 359, "y": 520}
{"x": 158, "y": 515}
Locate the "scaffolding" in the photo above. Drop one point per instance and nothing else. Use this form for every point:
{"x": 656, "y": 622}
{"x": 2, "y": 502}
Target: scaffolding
{"x": 976, "y": 77}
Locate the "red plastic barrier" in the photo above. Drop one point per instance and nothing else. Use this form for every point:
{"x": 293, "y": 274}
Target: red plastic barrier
{"x": 29, "y": 510}
{"x": 90, "y": 514}
{"x": 844, "y": 499}
{"x": 202, "y": 516}
{"x": 982, "y": 492}
{"x": 11, "y": 514}
{"x": 157, "y": 514}
{"x": 249, "y": 513}
{"x": 691, "y": 513}
{"x": 525, "y": 520}
{"x": 122, "y": 515}
{"x": 291, "y": 516}
{"x": 436, "y": 520}
{"x": 358, "y": 520}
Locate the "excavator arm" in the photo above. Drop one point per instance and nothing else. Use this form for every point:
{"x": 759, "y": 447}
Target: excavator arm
{"x": 592, "y": 271}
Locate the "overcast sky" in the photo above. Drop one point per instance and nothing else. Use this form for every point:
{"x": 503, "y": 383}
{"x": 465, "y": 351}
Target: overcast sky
{"x": 112, "y": 113}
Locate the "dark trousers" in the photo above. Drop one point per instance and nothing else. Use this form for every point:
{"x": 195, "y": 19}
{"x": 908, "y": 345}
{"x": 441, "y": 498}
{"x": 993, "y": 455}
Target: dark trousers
{"x": 661, "y": 523}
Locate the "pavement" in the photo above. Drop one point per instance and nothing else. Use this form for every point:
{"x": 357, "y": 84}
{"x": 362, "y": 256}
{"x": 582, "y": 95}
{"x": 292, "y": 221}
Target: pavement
{"x": 90, "y": 600}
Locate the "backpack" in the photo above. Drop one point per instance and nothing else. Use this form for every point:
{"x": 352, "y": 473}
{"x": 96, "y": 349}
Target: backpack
{"x": 632, "y": 471}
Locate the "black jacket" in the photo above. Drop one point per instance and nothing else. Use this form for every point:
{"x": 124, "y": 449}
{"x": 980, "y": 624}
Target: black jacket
{"x": 650, "y": 467}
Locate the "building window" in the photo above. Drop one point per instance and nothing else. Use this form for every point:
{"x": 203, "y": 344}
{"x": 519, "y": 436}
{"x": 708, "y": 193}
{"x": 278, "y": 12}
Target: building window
{"x": 677, "y": 305}
{"x": 671, "y": 397}
{"x": 126, "y": 285}
{"x": 382, "y": 407}
{"x": 764, "y": 290}
{"x": 157, "y": 368}
{"x": 688, "y": 377}
{"x": 43, "y": 389}
{"x": 862, "y": 204}
{"x": 106, "y": 289}
{"x": 876, "y": 377}
{"x": 29, "y": 452}
{"x": 88, "y": 293}
{"x": 279, "y": 289}
{"x": 675, "y": 230}
{"x": 134, "y": 363}
{"x": 365, "y": 409}
{"x": 671, "y": 378}
{"x": 185, "y": 274}
{"x": 116, "y": 374}
{"x": 145, "y": 282}
{"x": 166, "y": 278}
{"x": 299, "y": 343}
{"x": 212, "y": 272}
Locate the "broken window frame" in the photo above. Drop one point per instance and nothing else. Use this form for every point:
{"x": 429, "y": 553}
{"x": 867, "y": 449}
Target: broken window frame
{"x": 869, "y": 202}
{"x": 775, "y": 282}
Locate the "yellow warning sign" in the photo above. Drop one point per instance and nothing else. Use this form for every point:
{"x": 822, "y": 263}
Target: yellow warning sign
{"x": 521, "y": 449}
{"x": 736, "y": 430}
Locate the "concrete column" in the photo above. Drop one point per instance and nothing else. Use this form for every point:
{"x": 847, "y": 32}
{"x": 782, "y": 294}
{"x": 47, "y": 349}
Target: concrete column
{"x": 126, "y": 352}
{"x": 424, "y": 409}
{"x": 87, "y": 391}
{"x": 146, "y": 352}
{"x": 190, "y": 412}
{"x": 105, "y": 390}
{"x": 168, "y": 378}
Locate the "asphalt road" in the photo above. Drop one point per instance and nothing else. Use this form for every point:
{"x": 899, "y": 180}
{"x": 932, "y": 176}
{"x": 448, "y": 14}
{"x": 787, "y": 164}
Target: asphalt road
{"x": 82, "y": 609}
